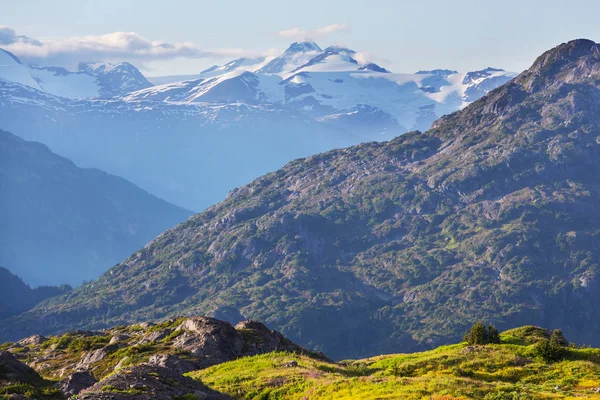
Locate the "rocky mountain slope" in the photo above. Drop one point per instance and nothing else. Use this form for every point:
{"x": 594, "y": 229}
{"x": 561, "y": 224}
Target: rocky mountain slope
{"x": 142, "y": 361}
{"x": 63, "y": 224}
{"x": 243, "y": 119}
{"x": 393, "y": 246}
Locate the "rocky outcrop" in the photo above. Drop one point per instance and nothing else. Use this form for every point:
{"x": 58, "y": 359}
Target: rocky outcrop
{"x": 210, "y": 340}
{"x": 33, "y": 340}
{"x": 173, "y": 363}
{"x": 145, "y": 360}
{"x": 94, "y": 357}
{"x": 148, "y": 382}
{"x": 259, "y": 339}
{"x": 13, "y": 370}
{"x": 76, "y": 382}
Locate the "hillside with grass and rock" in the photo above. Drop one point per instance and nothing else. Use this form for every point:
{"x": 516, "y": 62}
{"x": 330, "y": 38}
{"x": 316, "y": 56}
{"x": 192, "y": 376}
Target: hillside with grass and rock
{"x": 396, "y": 246}
{"x": 202, "y": 358}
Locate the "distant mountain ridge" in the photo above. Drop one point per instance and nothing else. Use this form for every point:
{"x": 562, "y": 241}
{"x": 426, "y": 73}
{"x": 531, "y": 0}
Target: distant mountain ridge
{"x": 492, "y": 214}
{"x": 301, "y": 78}
{"x": 90, "y": 81}
{"x": 242, "y": 119}
{"x": 60, "y": 224}
{"x": 17, "y": 297}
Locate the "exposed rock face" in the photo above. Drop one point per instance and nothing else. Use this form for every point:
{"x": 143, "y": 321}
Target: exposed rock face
{"x": 33, "y": 340}
{"x": 209, "y": 339}
{"x": 213, "y": 341}
{"x": 148, "y": 382}
{"x": 76, "y": 382}
{"x": 259, "y": 339}
{"x": 13, "y": 370}
{"x": 93, "y": 357}
{"x": 118, "y": 339}
{"x": 156, "y": 336}
{"x": 173, "y": 363}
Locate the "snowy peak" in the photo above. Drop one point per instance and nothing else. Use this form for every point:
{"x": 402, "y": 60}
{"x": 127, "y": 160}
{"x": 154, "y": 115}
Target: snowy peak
{"x": 116, "y": 79}
{"x": 12, "y": 69}
{"x": 340, "y": 50}
{"x": 90, "y": 81}
{"x": 299, "y": 53}
{"x": 475, "y": 76}
{"x": 336, "y": 61}
{"x": 4, "y": 53}
{"x": 243, "y": 63}
{"x": 373, "y": 67}
{"x": 302, "y": 47}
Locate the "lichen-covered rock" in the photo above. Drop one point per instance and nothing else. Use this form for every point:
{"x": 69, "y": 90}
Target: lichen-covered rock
{"x": 148, "y": 382}
{"x": 210, "y": 340}
{"x": 94, "y": 357}
{"x": 259, "y": 339}
{"x": 76, "y": 382}
{"x": 33, "y": 340}
{"x": 173, "y": 363}
{"x": 155, "y": 336}
{"x": 116, "y": 339}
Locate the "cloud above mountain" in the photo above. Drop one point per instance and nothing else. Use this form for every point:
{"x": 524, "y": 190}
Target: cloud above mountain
{"x": 111, "y": 46}
{"x": 301, "y": 34}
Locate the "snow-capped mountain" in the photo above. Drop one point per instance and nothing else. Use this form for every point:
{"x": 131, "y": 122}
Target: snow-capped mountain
{"x": 115, "y": 79}
{"x": 192, "y": 141}
{"x": 296, "y": 55}
{"x": 90, "y": 81}
{"x": 189, "y": 153}
{"x": 328, "y": 84}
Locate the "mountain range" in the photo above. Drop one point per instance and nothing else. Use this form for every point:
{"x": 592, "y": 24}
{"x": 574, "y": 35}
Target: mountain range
{"x": 90, "y": 80}
{"x": 61, "y": 224}
{"x": 242, "y": 119}
{"x": 491, "y": 214}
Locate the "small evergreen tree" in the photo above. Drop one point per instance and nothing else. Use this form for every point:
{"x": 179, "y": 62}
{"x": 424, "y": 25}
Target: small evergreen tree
{"x": 493, "y": 334}
{"x": 479, "y": 334}
{"x": 548, "y": 352}
{"x": 558, "y": 339}
{"x": 554, "y": 349}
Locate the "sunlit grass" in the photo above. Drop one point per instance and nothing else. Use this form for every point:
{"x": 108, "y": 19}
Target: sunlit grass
{"x": 508, "y": 371}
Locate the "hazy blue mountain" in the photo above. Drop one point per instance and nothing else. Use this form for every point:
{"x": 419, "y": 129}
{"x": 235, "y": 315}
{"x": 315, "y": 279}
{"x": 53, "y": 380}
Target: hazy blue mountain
{"x": 63, "y": 224}
{"x": 17, "y": 297}
{"x": 190, "y": 142}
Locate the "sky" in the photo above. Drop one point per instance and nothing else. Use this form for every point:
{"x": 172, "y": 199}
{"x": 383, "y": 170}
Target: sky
{"x": 184, "y": 37}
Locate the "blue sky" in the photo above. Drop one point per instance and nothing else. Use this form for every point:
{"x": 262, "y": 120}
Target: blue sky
{"x": 401, "y": 35}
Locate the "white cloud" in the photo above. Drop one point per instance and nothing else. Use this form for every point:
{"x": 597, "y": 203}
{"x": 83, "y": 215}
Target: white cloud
{"x": 121, "y": 46}
{"x": 301, "y": 34}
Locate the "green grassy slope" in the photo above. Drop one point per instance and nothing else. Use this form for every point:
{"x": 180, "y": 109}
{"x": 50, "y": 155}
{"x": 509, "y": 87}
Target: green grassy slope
{"x": 508, "y": 371}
